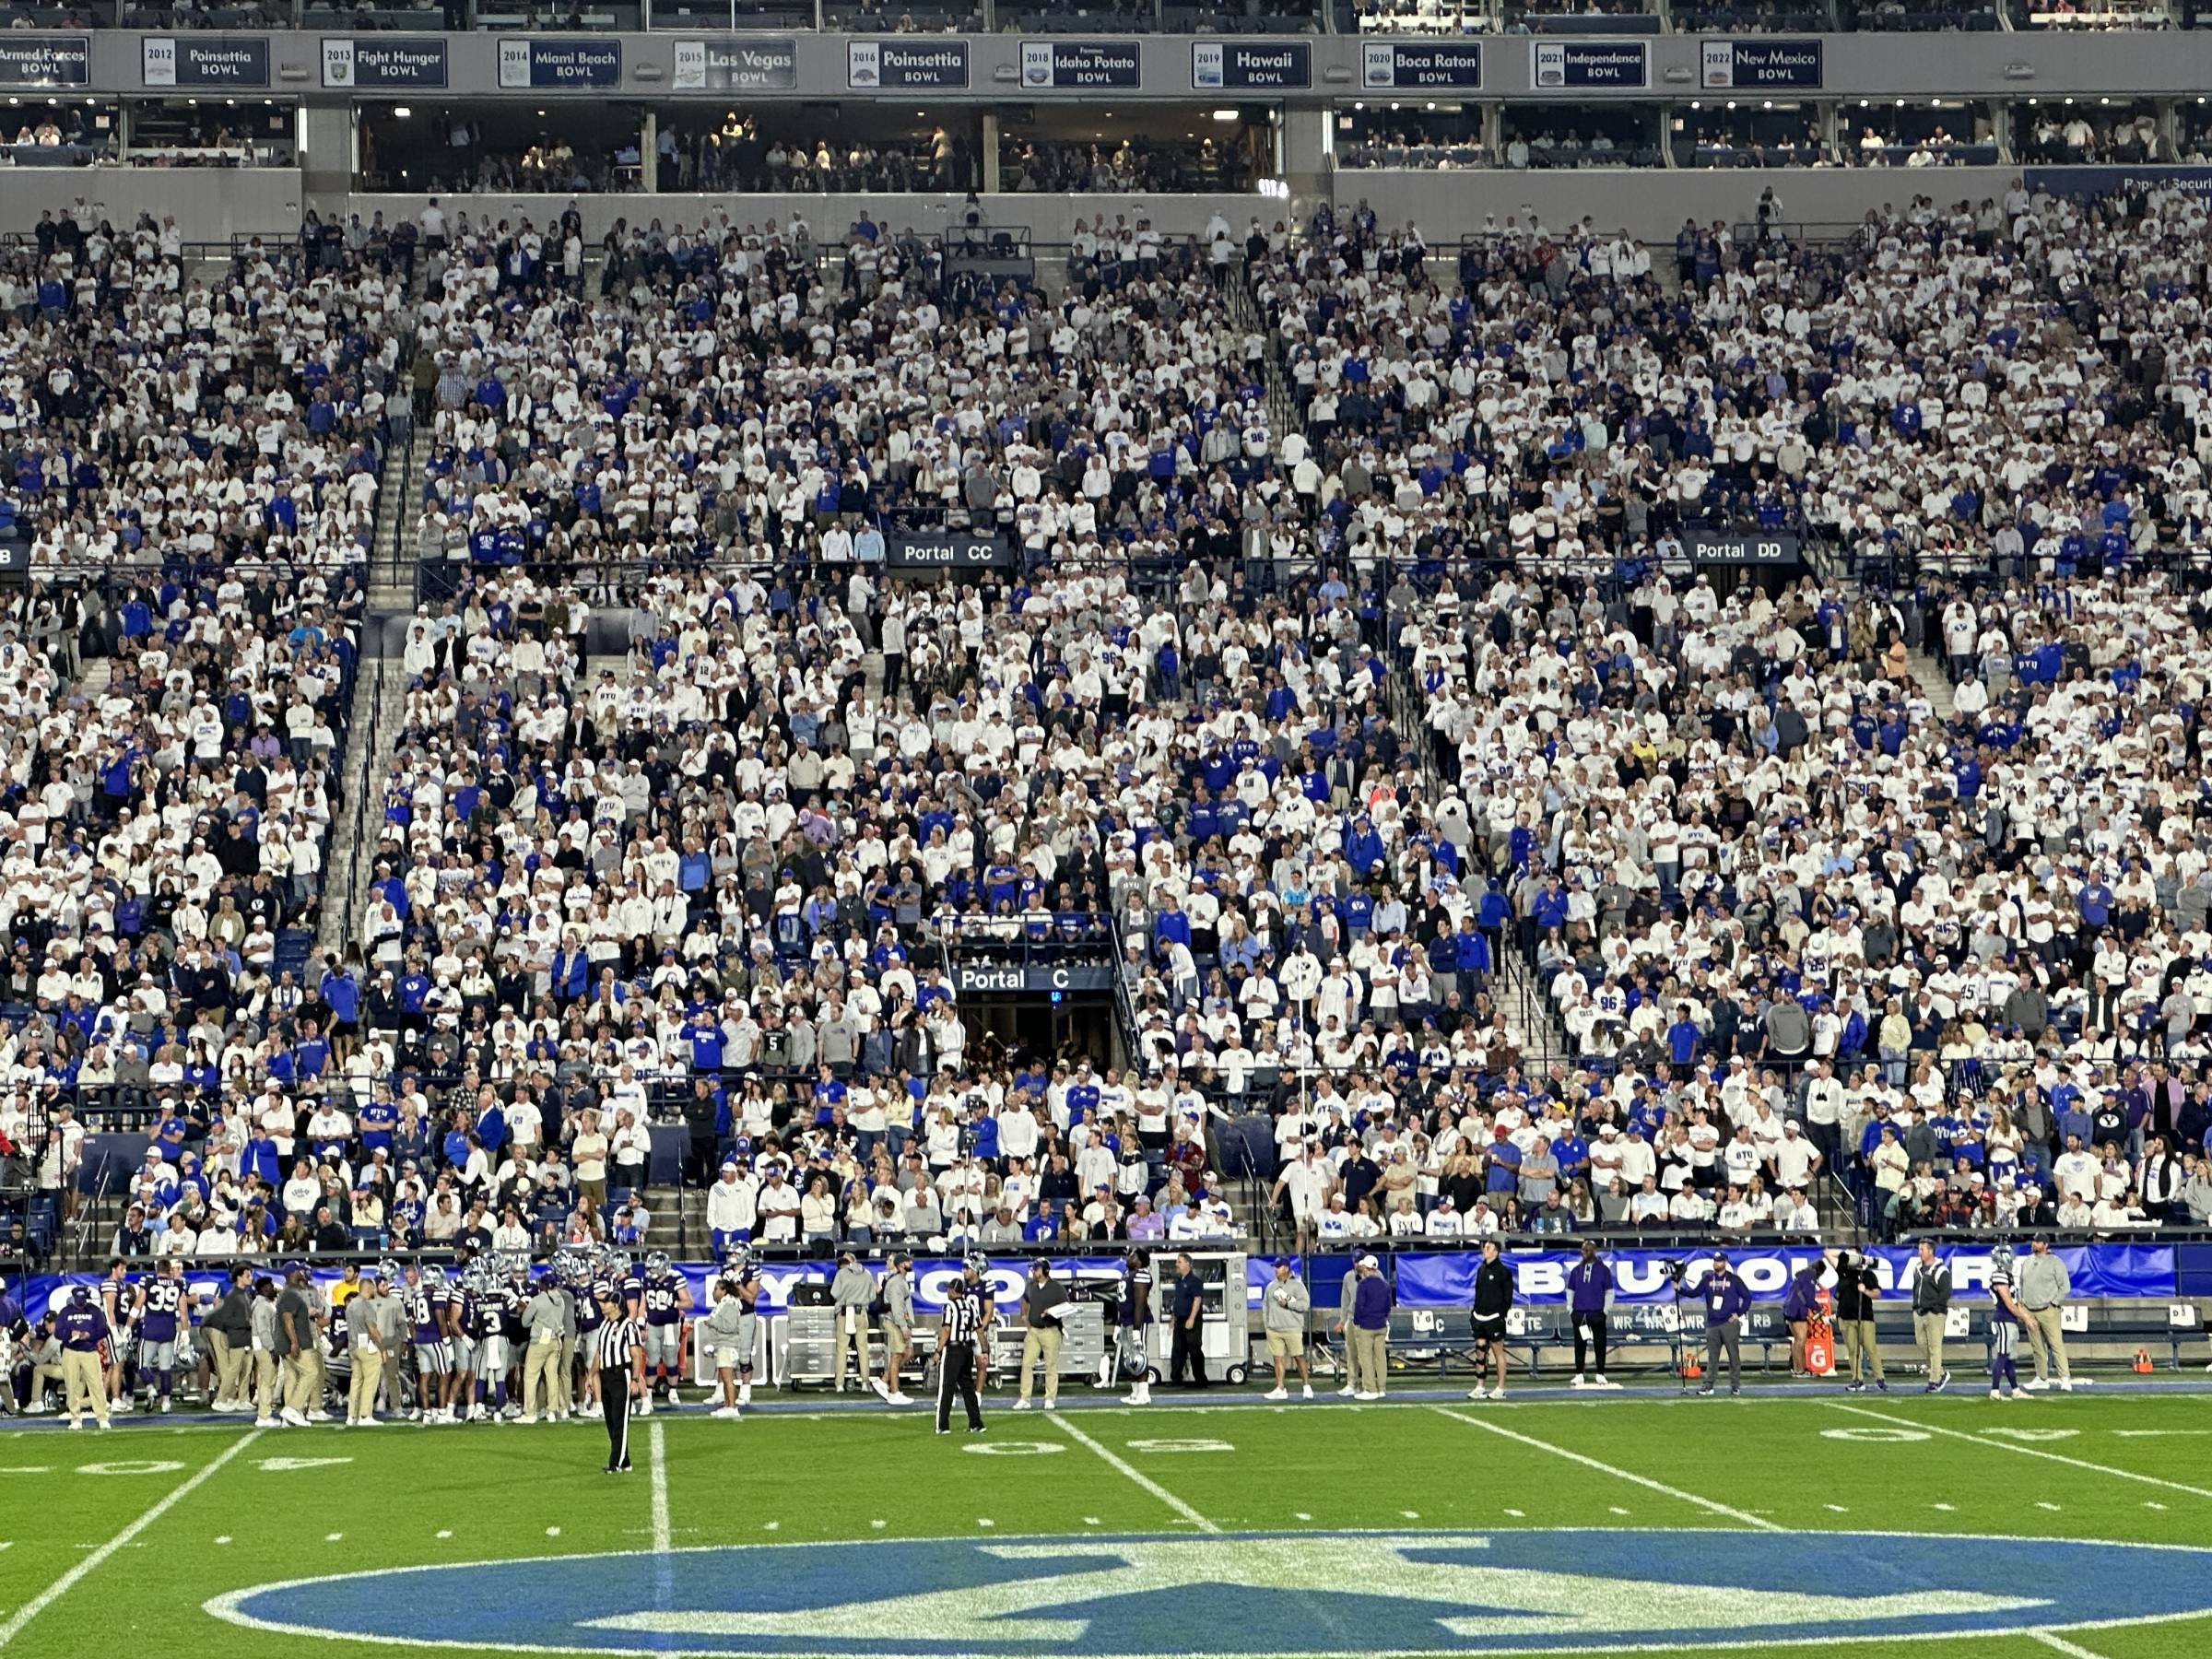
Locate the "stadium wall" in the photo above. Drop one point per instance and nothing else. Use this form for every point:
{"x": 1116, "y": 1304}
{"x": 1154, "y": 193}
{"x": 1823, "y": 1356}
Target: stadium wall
{"x": 1650, "y": 203}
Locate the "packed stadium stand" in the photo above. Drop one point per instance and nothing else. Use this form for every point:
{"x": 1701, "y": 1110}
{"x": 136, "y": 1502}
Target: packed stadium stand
{"x": 967, "y": 676}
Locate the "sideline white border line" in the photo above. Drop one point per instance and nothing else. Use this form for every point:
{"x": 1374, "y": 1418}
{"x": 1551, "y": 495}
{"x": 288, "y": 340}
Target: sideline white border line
{"x": 804, "y": 1410}
{"x": 226, "y": 1607}
{"x": 657, "y": 1464}
{"x": 1121, "y": 1465}
{"x": 92, "y": 1563}
{"x": 1712, "y": 1506}
{"x": 1999, "y": 1444}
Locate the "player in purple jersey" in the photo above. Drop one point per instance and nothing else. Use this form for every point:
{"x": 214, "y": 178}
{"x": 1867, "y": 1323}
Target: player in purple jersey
{"x": 157, "y": 1313}
{"x": 425, "y": 1298}
{"x": 666, "y": 1296}
{"x": 115, "y": 1308}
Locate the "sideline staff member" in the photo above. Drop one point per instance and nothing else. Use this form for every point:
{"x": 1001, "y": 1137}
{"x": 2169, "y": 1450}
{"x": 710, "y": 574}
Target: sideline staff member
{"x": 1493, "y": 1301}
{"x": 616, "y": 1353}
{"x": 966, "y": 1322}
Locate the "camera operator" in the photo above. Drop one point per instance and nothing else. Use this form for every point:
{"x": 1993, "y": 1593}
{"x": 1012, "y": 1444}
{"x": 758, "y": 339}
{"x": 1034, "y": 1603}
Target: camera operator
{"x": 1858, "y": 1287}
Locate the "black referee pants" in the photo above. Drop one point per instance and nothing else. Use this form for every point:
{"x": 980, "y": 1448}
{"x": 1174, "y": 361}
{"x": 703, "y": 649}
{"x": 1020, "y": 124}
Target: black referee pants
{"x": 956, "y": 1375}
{"x": 614, "y": 1399}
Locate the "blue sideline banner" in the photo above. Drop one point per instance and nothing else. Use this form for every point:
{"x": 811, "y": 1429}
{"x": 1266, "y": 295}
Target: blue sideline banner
{"x": 1641, "y": 1276}
{"x": 932, "y": 1275}
{"x": 1439, "y": 1280}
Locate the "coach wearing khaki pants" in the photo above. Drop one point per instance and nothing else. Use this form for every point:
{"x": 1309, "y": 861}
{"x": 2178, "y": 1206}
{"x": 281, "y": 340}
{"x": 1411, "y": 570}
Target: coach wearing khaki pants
{"x": 1043, "y": 1306}
{"x": 1368, "y": 1331}
{"x": 1931, "y": 1308}
{"x": 229, "y": 1332}
{"x": 296, "y": 1345}
{"x": 2044, "y": 1286}
{"x": 543, "y": 1318}
{"x": 365, "y": 1336}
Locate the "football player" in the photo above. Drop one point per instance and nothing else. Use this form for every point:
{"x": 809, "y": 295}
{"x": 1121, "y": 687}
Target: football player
{"x": 2005, "y": 1321}
{"x": 157, "y": 1312}
{"x": 667, "y": 1298}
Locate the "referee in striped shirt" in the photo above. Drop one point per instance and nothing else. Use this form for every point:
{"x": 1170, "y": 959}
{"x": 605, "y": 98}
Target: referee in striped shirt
{"x": 966, "y": 1322}
{"x": 616, "y": 1351}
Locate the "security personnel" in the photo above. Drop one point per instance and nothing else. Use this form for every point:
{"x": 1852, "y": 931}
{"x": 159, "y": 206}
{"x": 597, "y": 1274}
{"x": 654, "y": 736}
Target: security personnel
{"x": 965, "y": 1322}
{"x": 618, "y": 1352}
{"x": 83, "y": 1330}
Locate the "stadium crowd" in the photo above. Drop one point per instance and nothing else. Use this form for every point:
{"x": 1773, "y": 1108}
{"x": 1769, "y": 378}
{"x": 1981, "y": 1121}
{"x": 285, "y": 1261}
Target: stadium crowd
{"x": 1791, "y": 910}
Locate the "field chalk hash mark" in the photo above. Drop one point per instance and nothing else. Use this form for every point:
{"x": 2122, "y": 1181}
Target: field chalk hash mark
{"x": 91, "y": 1563}
{"x": 1129, "y": 1471}
{"x": 1709, "y": 1505}
{"x": 2021, "y": 1450}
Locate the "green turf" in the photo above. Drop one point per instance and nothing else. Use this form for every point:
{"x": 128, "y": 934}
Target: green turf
{"x": 2078, "y": 1467}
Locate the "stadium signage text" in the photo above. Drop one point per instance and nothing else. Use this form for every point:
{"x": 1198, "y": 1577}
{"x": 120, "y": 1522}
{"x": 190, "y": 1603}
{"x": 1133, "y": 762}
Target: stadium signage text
{"x": 1729, "y": 65}
{"x": 735, "y": 65}
{"x": 1228, "y": 66}
{"x": 1080, "y": 65}
{"x": 915, "y": 550}
{"x": 556, "y": 65}
{"x": 382, "y": 62}
{"x": 1531, "y": 1591}
{"x": 1707, "y": 549}
{"x": 2116, "y": 180}
{"x": 1591, "y": 64}
{"x": 1092, "y": 976}
{"x": 1392, "y": 66}
{"x": 217, "y": 61}
{"x": 940, "y": 65}
{"x": 45, "y": 60}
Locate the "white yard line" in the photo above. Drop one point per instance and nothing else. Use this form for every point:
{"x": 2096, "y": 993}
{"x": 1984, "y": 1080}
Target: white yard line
{"x": 1743, "y": 1517}
{"x": 1121, "y": 1465}
{"x": 657, "y": 1469}
{"x": 93, "y": 1562}
{"x": 2005, "y": 1445}
{"x": 2059, "y": 1644}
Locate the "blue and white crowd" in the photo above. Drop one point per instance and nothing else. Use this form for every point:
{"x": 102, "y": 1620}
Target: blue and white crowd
{"x": 1330, "y": 713}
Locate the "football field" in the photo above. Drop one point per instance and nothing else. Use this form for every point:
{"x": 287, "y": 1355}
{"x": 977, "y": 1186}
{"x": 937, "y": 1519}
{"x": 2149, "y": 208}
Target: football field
{"x": 2077, "y": 1525}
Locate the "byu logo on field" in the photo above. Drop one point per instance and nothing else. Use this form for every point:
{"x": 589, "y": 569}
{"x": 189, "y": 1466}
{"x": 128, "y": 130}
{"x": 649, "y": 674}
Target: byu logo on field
{"x": 1288, "y": 1593}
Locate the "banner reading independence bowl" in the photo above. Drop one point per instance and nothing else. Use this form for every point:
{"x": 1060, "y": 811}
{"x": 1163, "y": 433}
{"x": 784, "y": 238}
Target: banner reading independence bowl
{"x": 1443, "y": 1279}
